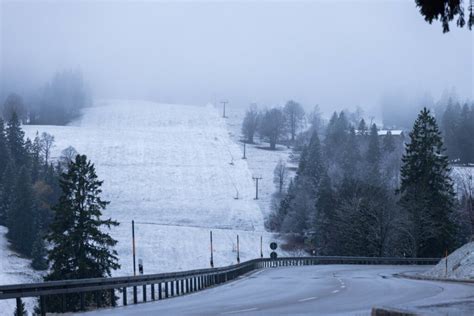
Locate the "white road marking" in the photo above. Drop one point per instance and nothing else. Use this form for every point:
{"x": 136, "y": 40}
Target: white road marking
{"x": 240, "y": 311}
{"x": 307, "y": 299}
{"x": 335, "y": 291}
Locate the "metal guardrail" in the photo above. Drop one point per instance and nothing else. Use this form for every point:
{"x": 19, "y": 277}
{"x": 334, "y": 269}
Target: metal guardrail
{"x": 165, "y": 285}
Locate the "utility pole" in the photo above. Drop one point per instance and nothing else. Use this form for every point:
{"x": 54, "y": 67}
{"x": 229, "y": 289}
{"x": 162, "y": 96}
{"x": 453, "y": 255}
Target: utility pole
{"x": 212, "y": 255}
{"x": 256, "y": 178}
{"x": 244, "y": 157}
{"x": 223, "y": 107}
{"x": 133, "y": 248}
{"x": 261, "y": 246}
{"x": 238, "y": 250}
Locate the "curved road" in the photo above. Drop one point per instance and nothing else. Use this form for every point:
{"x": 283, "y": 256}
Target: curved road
{"x": 322, "y": 290}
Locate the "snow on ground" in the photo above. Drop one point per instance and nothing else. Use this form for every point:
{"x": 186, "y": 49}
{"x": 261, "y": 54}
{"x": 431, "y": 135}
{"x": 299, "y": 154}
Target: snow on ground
{"x": 13, "y": 269}
{"x": 169, "y": 168}
{"x": 260, "y": 160}
{"x": 460, "y": 264}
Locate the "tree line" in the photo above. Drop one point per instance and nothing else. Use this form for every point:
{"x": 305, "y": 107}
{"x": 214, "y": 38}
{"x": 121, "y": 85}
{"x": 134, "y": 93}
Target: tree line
{"x": 273, "y": 125}
{"x": 361, "y": 191}
{"x": 28, "y": 189}
{"x": 53, "y": 212}
{"x": 57, "y": 103}
{"x": 457, "y": 125}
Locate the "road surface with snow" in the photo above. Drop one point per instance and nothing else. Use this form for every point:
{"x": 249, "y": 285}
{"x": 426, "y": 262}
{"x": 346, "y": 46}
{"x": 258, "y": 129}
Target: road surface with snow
{"x": 310, "y": 290}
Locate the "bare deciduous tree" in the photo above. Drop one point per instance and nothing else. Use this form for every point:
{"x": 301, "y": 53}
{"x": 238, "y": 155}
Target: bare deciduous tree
{"x": 272, "y": 126}
{"x": 250, "y": 123}
{"x": 280, "y": 175}
{"x": 47, "y": 142}
{"x": 67, "y": 156}
{"x": 294, "y": 114}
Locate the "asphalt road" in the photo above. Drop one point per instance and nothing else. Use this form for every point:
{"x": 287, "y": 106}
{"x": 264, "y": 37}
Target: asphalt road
{"x": 315, "y": 290}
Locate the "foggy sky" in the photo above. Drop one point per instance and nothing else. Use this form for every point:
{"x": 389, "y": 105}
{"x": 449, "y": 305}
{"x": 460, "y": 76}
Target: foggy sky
{"x": 338, "y": 54}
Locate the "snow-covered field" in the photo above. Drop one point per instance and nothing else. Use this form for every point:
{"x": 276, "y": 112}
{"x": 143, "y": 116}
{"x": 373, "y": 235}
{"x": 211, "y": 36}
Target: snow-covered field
{"x": 460, "y": 264}
{"x": 169, "y": 168}
{"x": 13, "y": 269}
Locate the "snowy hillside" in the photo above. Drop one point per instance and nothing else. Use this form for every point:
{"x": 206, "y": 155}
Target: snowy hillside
{"x": 460, "y": 264}
{"x": 169, "y": 168}
{"x": 260, "y": 160}
{"x": 13, "y": 269}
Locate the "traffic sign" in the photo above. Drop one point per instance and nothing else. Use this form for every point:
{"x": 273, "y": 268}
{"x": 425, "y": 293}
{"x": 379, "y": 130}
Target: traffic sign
{"x": 273, "y": 255}
{"x": 273, "y": 245}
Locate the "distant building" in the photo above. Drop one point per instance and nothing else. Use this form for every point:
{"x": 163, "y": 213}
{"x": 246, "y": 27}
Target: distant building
{"x": 383, "y": 132}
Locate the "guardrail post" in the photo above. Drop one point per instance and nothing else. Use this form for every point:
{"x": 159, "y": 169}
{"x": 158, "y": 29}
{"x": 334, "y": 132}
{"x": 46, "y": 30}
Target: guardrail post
{"x": 113, "y": 303}
{"x": 160, "y": 297}
{"x": 98, "y": 297}
{"x": 135, "y": 299}
{"x": 182, "y": 286}
{"x": 18, "y": 306}
{"x": 83, "y": 307}
{"x": 152, "y": 291}
{"x": 63, "y": 303}
{"x": 166, "y": 289}
{"x": 194, "y": 284}
{"x": 144, "y": 292}
{"x": 124, "y": 296}
{"x": 187, "y": 285}
{"x": 42, "y": 306}
{"x": 172, "y": 288}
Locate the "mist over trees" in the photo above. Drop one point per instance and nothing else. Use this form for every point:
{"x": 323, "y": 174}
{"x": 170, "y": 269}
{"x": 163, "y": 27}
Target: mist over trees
{"x": 57, "y": 103}
{"x": 294, "y": 114}
{"x": 250, "y": 124}
{"x": 352, "y": 193}
{"x": 275, "y": 126}
{"x": 457, "y": 125}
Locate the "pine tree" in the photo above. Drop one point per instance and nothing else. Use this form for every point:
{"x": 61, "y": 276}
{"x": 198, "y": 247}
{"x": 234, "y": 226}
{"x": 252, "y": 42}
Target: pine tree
{"x": 16, "y": 143}
{"x": 373, "y": 153}
{"x": 21, "y": 214}
{"x": 7, "y": 189}
{"x": 38, "y": 253}
{"x": 388, "y": 143}
{"x": 465, "y": 135}
{"x": 450, "y": 122}
{"x": 36, "y": 158}
{"x": 80, "y": 246}
{"x": 362, "y": 128}
{"x": 427, "y": 193}
{"x": 301, "y": 209}
{"x": 311, "y": 165}
{"x": 351, "y": 156}
{"x": 4, "y": 150}
{"x": 325, "y": 222}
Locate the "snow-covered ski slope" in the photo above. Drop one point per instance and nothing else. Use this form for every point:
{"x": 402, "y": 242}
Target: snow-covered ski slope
{"x": 176, "y": 172}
